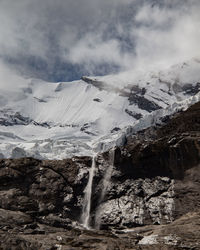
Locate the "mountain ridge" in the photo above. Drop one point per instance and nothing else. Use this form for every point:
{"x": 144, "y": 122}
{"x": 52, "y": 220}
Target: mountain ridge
{"x": 151, "y": 201}
{"x": 59, "y": 120}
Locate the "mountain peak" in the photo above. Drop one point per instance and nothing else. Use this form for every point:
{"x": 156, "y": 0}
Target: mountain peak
{"x": 73, "y": 118}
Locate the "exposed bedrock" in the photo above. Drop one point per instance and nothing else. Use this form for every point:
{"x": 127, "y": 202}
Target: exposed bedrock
{"x": 151, "y": 185}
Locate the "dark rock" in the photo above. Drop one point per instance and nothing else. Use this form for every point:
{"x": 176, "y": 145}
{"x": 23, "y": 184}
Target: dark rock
{"x": 11, "y": 218}
{"x": 153, "y": 188}
{"x": 143, "y": 103}
{"x": 115, "y": 129}
{"x": 133, "y": 114}
{"x": 56, "y": 221}
{"x": 41, "y": 187}
{"x": 8, "y": 118}
{"x": 96, "y": 83}
{"x": 97, "y": 100}
{"x": 189, "y": 89}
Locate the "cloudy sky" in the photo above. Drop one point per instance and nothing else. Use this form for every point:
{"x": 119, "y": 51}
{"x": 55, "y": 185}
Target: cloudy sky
{"x": 64, "y": 39}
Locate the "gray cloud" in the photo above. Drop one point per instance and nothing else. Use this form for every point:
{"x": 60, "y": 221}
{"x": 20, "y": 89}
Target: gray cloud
{"x": 66, "y": 38}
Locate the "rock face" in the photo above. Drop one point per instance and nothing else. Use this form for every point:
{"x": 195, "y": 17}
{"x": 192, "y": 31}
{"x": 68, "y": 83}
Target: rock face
{"x": 150, "y": 186}
{"x": 153, "y": 181}
{"x": 42, "y": 188}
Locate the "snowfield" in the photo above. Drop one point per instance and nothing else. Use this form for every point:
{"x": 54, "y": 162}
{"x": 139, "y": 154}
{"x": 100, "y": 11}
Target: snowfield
{"x": 60, "y": 120}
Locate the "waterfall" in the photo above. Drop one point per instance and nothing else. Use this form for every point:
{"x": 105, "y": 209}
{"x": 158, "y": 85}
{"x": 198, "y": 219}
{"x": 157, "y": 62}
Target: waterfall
{"x": 108, "y": 174}
{"x": 105, "y": 185}
{"x": 85, "y": 217}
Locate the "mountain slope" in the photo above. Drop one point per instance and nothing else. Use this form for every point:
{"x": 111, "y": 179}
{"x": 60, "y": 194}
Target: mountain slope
{"x": 58, "y": 120}
{"x": 150, "y": 202}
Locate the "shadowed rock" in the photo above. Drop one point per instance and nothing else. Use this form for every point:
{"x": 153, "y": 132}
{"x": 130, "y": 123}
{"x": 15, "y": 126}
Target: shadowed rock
{"x": 153, "y": 190}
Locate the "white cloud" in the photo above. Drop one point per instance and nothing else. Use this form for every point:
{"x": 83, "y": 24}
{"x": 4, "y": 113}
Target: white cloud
{"x": 128, "y": 33}
{"x": 170, "y": 35}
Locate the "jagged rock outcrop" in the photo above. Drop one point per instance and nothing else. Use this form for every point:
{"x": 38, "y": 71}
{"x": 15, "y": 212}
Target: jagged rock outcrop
{"x": 41, "y": 188}
{"x": 9, "y": 118}
{"x": 155, "y": 181}
{"x": 151, "y": 186}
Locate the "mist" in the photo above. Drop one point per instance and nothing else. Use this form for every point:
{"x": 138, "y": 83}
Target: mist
{"x": 65, "y": 39}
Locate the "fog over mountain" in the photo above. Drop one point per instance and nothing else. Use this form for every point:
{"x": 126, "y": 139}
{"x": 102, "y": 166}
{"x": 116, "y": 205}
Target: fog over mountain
{"x": 99, "y": 124}
{"x": 65, "y": 39}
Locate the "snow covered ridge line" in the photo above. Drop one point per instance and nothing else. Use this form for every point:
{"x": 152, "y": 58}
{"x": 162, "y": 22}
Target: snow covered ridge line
{"x": 60, "y": 148}
{"x": 152, "y": 119}
{"x": 157, "y": 116}
{"x": 60, "y": 120}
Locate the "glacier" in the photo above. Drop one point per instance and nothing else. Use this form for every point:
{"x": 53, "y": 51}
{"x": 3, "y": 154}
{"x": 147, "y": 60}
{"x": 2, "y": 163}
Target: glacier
{"x": 59, "y": 120}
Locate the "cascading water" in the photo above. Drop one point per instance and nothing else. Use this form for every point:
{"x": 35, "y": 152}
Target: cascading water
{"x": 106, "y": 182}
{"x": 108, "y": 174}
{"x": 85, "y": 217}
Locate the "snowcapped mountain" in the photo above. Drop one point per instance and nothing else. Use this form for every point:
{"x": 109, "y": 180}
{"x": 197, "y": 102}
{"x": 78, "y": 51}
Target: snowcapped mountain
{"x": 59, "y": 120}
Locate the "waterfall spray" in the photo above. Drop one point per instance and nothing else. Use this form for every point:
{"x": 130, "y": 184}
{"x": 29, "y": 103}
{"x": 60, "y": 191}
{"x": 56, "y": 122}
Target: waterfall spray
{"x": 85, "y": 217}
{"x": 108, "y": 174}
{"x": 106, "y": 182}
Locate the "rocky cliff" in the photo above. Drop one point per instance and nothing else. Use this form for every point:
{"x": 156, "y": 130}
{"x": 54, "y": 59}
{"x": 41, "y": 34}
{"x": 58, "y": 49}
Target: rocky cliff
{"x": 143, "y": 196}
